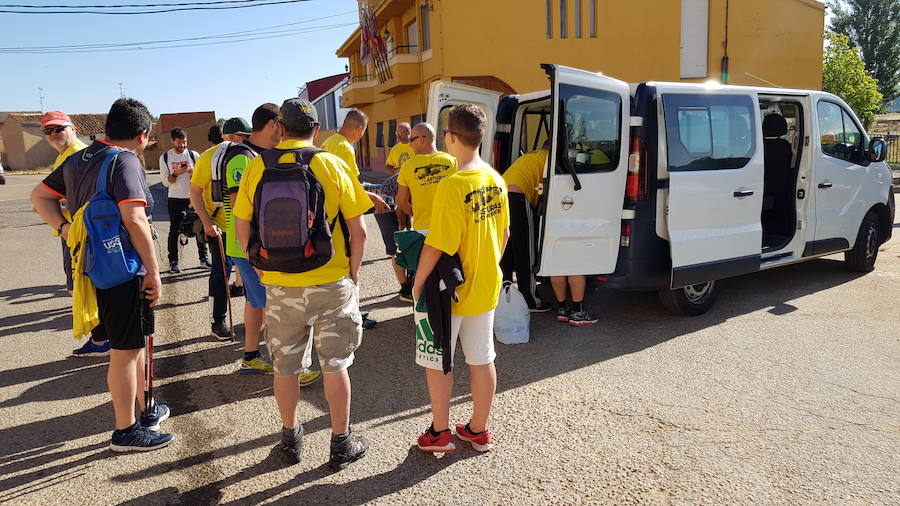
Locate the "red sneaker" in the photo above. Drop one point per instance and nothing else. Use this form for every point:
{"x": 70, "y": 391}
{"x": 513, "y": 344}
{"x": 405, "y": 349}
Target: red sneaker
{"x": 481, "y": 442}
{"x": 440, "y": 442}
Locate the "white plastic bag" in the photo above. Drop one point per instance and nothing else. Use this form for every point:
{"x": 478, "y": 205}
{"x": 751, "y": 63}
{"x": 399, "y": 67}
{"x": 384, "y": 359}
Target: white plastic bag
{"x": 512, "y": 320}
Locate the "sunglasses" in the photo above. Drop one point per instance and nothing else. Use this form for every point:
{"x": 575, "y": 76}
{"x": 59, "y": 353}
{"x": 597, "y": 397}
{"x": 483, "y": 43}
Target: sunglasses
{"x": 54, "y": 130}
{"x": 413, "y": 139}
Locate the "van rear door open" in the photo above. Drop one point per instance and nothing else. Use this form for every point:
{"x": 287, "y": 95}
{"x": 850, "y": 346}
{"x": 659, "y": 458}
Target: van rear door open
{"x": 714, "y": 155}
{"x": 443, "y": 95}
{"x": 584, "y": 183}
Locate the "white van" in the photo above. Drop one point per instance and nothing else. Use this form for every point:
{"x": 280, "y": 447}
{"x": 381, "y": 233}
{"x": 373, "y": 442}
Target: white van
{"x": 673, "y": 186}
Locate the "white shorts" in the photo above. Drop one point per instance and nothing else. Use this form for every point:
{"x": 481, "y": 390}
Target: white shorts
{"x": 475, "y": 333}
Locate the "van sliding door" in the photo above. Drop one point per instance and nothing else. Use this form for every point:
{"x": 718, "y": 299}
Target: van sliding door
{"x": 715, "y": 164}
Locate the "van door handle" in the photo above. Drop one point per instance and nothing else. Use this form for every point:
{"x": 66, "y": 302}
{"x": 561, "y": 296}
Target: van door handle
{"x": 742, "y": 193}
{"x": 825, "y": 184}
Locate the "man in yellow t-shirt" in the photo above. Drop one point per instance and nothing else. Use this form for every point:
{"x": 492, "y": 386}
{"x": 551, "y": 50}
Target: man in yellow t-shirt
{"x": 470, "y": 218}
{"x": 402, "y": 151}
{"x": 324, "y": 299}
{"x": 420, "y": 175}
{"x": 341, "y": 145}
{"x": 60, "y": 133}
{"x": 523, "y": 178}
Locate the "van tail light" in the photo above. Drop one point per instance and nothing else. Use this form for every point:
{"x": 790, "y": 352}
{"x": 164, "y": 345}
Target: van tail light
{"x": 636, "y": 185}
{"x": 625, "y": 240}
{"x": 495, "y": 156}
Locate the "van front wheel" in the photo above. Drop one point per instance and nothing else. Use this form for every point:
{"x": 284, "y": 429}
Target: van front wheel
{"x": 864, "y": 253}
{"x": 693, "y": 300}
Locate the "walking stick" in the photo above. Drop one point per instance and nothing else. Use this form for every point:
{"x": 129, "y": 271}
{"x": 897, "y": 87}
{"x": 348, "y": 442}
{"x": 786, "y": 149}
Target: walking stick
{"x": 227, "y": 287}
{"x": 148, "y": 375}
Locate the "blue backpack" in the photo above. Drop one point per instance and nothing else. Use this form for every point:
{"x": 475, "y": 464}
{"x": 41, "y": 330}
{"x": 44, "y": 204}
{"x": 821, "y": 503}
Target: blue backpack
{"x": 110, "y": 259}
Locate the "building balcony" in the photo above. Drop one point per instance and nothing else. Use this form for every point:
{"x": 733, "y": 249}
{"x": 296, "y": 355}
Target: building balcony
{"x": 405, "y": 72}
{"x": 359, "y": 92}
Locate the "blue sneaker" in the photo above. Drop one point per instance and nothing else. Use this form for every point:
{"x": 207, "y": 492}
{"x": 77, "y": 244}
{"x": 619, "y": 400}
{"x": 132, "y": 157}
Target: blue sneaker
{"x": 139, "y": 439}
{"x": 92, "y": 350}
{"x": 151, "y": 421}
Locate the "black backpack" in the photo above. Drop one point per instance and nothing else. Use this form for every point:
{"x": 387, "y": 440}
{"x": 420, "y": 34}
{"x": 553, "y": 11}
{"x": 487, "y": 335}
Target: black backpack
{"x": 289, "y": 231}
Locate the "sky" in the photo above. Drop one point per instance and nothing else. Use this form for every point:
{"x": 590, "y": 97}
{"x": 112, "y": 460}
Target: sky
{"x": 230, "y": 79}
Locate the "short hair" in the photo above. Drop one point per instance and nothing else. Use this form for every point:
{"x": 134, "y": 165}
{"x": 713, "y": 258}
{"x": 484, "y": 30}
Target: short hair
{"x": 178, "y": 133}
{"x": 357, "y": 118}
{"x": 467, "y": 121}
{"x": 300, "y": 133}
{"x": 262, "y": 115}
{"x": 215, "y": 134}
{"x": 126, "y": 120}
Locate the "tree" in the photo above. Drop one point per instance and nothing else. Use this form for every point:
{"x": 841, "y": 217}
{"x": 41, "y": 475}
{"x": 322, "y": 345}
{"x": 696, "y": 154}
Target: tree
{"x": 844, "y": 74}
{"x": 874, "y": 27}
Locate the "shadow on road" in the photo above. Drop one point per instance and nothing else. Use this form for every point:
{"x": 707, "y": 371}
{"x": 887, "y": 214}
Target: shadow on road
{"x": 387, "y": 385}
{"x": 33, "y": 294}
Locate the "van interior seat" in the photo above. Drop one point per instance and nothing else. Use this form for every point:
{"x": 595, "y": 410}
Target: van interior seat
{"x": 779, "y": 180}
{"x": 778, "y": 156}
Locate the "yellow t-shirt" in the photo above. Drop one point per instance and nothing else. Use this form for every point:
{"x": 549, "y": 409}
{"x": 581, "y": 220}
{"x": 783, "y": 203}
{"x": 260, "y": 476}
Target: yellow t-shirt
{"x": 421, "y": 174}
{"x": 202, "y": 178}
{"x": 342, "y": 193}
{"x": 338, "y": 145}
{"x": 526, "y": 173}
{"x": 471, "y": 211}
{"x": 400, "y": 153}
{"x": 73, "y": 148}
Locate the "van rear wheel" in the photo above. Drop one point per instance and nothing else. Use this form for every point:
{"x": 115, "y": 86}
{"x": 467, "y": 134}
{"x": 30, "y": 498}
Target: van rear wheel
{"x": 864, "y": 253}
{"x": 693, "y": 300}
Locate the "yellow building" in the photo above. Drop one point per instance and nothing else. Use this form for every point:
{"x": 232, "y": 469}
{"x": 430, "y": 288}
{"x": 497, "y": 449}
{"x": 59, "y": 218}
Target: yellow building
{"x": 500, "y": 44}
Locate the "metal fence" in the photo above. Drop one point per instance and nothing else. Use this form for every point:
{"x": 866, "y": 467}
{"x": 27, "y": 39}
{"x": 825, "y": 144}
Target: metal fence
{"x": 893, "y": 149}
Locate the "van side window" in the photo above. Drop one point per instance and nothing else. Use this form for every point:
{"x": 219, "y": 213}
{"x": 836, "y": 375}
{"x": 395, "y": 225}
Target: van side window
{"x": 839, "y": 135}
{"x": 709, "y": 132}
{"x": 591, "y": 140}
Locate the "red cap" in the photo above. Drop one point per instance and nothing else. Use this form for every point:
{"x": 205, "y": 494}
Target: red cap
{"x": 51, "y": 118}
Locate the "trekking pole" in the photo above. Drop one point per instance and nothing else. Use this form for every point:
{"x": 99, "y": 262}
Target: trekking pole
{"x": 227, "y": 286}
{"x": 148, "y": 375}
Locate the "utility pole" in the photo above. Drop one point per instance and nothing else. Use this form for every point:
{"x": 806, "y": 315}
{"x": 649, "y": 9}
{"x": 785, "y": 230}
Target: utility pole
{"x": 41, "y": 97}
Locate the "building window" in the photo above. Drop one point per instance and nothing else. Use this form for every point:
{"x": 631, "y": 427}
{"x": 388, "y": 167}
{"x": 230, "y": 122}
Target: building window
{"x": 593, "y": 18}
{"x": 549, "y": 19}
{"x": 577, "y": 19}
{"x": 379, "y": 135}
{"x": 415, "y": 120}
{"x": 412, "y": 37}
{"x": 392, "y": 134}
{"x": 426, "y": 27}
{"x": 562, "y": 19}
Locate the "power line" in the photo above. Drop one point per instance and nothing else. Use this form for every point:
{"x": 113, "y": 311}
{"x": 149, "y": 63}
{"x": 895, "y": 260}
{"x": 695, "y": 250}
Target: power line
{"x": 39, "y": 49}
{"x": 261, "y": 3}
{"x": 138, "y": 48}
{"x": 122, "y": 6}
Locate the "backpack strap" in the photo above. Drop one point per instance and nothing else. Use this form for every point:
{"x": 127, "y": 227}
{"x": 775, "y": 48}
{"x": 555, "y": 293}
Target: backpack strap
{"x": 105, "y": 173}
{"x": 166, "y": 158}
{"x": 192, "y": 155}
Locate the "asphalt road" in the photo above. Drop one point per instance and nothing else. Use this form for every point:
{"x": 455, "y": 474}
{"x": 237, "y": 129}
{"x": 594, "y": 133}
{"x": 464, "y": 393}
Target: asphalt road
{"x": 786, "y": 392}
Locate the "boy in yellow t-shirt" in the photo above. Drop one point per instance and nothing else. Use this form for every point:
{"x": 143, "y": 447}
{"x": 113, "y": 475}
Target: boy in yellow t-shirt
{"x": 470, "y": 217}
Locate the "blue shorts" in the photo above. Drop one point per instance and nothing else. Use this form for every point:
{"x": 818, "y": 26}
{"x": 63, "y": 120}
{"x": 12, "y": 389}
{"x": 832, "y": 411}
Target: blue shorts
{"x": 253, "y": 289}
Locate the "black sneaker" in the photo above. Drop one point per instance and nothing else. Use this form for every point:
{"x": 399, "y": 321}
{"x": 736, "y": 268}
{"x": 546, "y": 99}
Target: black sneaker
{"x": 562, "y": 314}
{"x": 542, "y": 307}
{"x": 221, "y": 331}
{"x": 368, "y": 323}
{"x": 346, "y": 449}
{"x": 205, "y": 263}
{"x": 580, "y": 318}
{"x": 139, "y": 439}
{"x": 2, "y": 179}
{"x": 292, "y": 443}
{"x": 405, "y": 293}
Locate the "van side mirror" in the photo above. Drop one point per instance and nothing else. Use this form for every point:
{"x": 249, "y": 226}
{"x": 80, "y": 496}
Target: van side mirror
{"x": 877, "y": 151}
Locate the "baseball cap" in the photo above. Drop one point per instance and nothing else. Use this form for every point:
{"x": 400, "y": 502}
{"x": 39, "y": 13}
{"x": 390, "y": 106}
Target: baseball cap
{"x": 51, "y": 118}
{"x": 298, "y": 113}
{"x": 237, "y": 126}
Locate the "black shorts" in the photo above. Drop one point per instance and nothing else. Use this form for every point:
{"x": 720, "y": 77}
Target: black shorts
{"x": 387, "y": 223}
{"x": 125, "y": 315}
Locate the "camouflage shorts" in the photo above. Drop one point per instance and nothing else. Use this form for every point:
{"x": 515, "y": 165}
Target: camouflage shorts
{"x": 330, "y": 311}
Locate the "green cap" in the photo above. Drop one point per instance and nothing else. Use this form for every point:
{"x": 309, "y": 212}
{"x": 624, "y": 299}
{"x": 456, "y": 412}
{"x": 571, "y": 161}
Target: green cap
{"x": 237, "y": 126}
